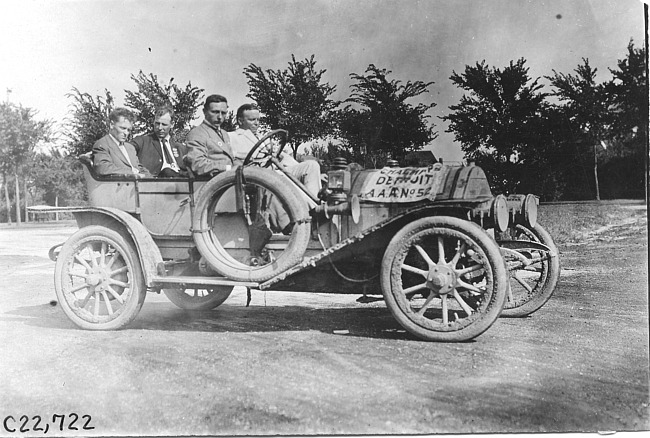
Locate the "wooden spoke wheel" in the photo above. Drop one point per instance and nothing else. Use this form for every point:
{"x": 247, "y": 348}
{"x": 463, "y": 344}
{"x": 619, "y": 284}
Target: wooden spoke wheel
{"x": 205, "y": 298}
{"x": 98, "y": 279}
{"x": 444, "y": 279}
{"x": 533, "y": 282}
{"x": 197, "y": 298}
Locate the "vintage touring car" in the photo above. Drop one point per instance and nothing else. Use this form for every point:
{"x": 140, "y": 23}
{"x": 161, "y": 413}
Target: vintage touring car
{"x": 447, "y": 255}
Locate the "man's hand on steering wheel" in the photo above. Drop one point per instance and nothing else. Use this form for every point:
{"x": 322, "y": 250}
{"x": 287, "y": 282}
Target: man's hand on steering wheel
{"x": 265, "y": 146}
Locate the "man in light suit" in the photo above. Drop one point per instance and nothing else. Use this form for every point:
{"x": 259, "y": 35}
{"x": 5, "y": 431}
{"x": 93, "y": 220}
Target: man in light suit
{"x": 157, "y": 150}
{"x": 112, "y": 155}
{"x": 208, "y": 146}
{"x": 245, "y": 137}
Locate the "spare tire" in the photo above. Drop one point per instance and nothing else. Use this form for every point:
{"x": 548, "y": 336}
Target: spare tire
{"x": 220, "y": 231}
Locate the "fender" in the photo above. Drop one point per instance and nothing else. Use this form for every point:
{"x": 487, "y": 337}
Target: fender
{"x": 147, "y": 250}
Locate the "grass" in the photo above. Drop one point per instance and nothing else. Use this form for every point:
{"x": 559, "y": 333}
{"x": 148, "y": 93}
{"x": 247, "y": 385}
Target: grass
{"x": 570, "y": 222}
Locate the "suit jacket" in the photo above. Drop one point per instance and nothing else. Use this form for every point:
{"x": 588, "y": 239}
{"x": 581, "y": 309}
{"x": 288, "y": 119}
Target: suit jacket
{"x": 150, "y": 153}
{"x": 108, "y": 159}
{"x": 208, "y": 152}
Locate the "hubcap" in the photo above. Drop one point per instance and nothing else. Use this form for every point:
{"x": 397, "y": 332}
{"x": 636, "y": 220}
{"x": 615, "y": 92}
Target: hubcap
{"x": 441, "y": 279}
{"x": 98, "y": 278}
{"x": 453, "y": 277}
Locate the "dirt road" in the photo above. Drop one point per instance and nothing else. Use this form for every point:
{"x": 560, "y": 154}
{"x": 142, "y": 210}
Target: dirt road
{"x": 296, "y": 363}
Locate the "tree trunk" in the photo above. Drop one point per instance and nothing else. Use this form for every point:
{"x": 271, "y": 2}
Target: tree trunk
{"x": 56, "y": 204}
{"x": 26, "y": 197}
{"x": 4, "y": 180}
{"x": 17, "y": 199}
{"x": 596, "y": 174}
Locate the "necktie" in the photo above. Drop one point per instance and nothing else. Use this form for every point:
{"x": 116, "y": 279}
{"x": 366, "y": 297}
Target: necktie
{"x": 168, "y": 158}
{"x": 167, "y": 155}
{"x": 126, "y": 155}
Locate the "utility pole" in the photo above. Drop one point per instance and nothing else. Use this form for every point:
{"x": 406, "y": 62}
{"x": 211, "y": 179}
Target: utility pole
{"x": 8, "y": 93}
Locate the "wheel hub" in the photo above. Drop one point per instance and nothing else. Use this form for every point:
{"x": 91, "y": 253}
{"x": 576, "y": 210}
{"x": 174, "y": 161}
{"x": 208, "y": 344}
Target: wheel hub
{"x": 441, "y": 279}
{"x": 98, "y": 278}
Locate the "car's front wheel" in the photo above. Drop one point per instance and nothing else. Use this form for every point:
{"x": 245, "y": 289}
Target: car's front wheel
{"x": 444, "y": 279}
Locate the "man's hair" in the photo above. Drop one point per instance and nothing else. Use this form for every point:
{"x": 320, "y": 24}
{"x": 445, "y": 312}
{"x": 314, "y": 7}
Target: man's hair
{"x": 162, "y": 110}
{"x": 246, "y": 107}
{"x": 214, "y": 98}
{"x": 119, "y": 113}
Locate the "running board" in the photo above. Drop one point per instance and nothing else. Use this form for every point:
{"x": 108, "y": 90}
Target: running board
{"x": 186, "y": 282}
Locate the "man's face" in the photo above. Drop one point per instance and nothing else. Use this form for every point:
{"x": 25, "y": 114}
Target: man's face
{"x": 162, "y": 125}
{"x": 250, "y": 119}
{"x": 120, "y": 129}
{"x": 216, "y": 113}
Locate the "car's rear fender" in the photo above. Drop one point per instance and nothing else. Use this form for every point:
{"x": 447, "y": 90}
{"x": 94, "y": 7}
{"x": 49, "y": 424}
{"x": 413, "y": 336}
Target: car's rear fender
{"x": 130, "y": 227}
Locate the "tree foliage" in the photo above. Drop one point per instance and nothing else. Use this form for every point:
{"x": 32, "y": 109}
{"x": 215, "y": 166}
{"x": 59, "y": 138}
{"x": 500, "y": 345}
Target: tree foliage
{"x": 629, "y": 102}
{"x": 20, "y": 131}
{"x": 497, "y": 119}
{"x": 88, "y": 120}
{"x": 58, "y": 179}
{"x": 151, "y": 94}
{"x": 585, "y": 100}
{"x": 584, "y": 103}
{"x": 526, "y": 143}
{"x": 384, "y": 125}
{"x": 19, "y": 134}
{"x": 624, "y": 170}
{"x": 296, "y": 99}
{"x": 609, "y": 123}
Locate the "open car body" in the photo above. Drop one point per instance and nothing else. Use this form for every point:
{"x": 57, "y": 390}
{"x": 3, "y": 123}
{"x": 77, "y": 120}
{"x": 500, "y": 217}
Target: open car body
{"x": 444, "y": 252}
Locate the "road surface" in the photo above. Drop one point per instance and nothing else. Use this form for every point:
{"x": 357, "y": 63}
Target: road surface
{"x": 296, "y": 363}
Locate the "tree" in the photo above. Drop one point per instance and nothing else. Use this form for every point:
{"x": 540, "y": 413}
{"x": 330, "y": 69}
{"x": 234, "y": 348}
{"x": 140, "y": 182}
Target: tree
{"x": 19, "y": 134}
{"x": 58, "y": 178}
{"x": 384, "y": 125}
{"x": 549, "y": 165}
{"x": 586, "y": 104}
{"x": 623, "y": 170}
{"x": 88, "y": 121}
{"x": 498, "y": 119}
{"x": 295, "y": 99}
{"x": 150, "y": 94}
{"x": 628, "y": 94}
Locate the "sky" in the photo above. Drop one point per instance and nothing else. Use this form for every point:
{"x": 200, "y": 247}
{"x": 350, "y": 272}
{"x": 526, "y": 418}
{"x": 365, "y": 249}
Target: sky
{"x": 47, "y": 47}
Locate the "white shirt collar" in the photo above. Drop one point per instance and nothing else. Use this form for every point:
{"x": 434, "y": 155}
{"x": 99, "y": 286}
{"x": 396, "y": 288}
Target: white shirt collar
{"x": 114, "y": 139}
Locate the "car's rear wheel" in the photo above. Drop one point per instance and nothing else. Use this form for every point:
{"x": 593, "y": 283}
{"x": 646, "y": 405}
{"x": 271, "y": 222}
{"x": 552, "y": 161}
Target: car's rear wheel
{"x": 98, "y": 279}
{"x": 199, "y": 298}
{"x": 444, "y": 279}
{"x": 531, "y": 285}
{"x": 196, "y": 298}
{"x": 234, "y": 239}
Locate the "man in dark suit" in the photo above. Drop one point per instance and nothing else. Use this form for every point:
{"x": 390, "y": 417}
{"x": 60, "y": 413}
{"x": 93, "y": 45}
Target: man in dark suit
{"x": 112, "y": 155}
{"x": 157, "y": 150}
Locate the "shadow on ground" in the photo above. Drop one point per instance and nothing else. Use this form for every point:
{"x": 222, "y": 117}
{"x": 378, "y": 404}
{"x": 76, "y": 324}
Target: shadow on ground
{"x": 361, "y": 322}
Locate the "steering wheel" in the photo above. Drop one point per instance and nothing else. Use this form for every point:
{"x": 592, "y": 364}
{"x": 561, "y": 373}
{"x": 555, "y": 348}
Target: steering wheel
{"x": 267, "y": 146}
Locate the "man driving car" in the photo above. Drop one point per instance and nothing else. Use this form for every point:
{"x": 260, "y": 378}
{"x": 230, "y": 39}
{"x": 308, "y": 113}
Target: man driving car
{"x": 245, "y": 137}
